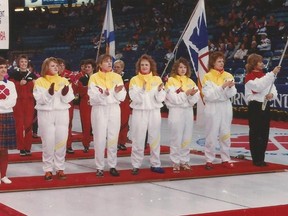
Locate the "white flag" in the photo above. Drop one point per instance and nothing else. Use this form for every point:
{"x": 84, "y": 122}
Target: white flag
{"x": 4, "y": 25}
{"x": 108, "y": 31}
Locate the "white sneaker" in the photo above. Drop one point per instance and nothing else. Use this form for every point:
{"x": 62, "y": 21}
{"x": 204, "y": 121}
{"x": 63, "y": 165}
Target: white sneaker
{"x": 6, "y": 180}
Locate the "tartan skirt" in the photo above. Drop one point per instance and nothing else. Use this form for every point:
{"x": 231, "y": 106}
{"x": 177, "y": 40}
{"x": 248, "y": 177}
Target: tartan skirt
{"x": 7, "y": 131}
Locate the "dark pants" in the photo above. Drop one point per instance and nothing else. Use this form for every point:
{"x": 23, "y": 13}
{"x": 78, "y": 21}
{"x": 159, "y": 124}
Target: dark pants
{"x": 259, "y": 126}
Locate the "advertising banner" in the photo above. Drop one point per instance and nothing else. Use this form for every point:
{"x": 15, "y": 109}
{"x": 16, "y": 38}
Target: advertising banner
{"x": 281, "y": 103}
{"x": 4, "y": 24}
{"x": 38, "y": 3}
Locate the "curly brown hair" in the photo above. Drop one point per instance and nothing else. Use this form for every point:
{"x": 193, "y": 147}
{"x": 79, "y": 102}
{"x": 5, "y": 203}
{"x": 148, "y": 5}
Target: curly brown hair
{"x": 213, "y": 57}
{"x": 153, "y": 66}
{"x": 252, "y": 61}
{"x": 174, "y": 70}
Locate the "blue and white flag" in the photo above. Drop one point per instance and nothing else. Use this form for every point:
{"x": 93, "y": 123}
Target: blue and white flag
{"x": 196, "y": 40}
{"x": 108, "y": 31}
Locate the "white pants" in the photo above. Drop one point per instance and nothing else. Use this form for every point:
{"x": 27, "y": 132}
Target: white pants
{"x": 141, "y": 121}
{"x": 180, "y": 124}
{"x": 218, "y": 119}
{"x": 106, "y": 125}
{"x": 53, "y": 128}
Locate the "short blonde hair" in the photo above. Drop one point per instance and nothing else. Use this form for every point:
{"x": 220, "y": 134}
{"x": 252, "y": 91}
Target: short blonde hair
{"x": 120, "y": 62}
{"x": 45, "y": 65}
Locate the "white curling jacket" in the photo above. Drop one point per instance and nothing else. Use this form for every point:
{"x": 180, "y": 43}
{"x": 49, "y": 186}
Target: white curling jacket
{"x": 256, "y": 89}
{"x": 148, "y": 98}
{"x": 47, "y": 102}
{"x": 212, "y": 87}
{"x": 101, "y": 81}
{"x": 175, "y": 98}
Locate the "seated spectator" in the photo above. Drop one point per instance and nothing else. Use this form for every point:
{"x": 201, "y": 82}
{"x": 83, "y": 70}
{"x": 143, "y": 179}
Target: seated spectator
{"x": 255, "y": 22}
{"x": 95, "y": 41}
{"x": 281, "y": 30}
{"x": 168, "y": 44}
{"x": 246, "y": 40}
{"x": 253, "y": 48}
{"x": 236, "y": 3}
{"x": 236, "y": 30}
{"x": 265, "y": 43}
{"x": 169, "y": 55}
{"x": 212, "y": 47}
{"x": 221, "y": 47}
{"x": 118, "y": 55}
{"x": 241, "y": 53}
{"x": 159, "y": 44}
{"x": 150, "y": 44}
{"x": 244, "y": 25}
{"x": 134, "y": 46}
{"x": 261, "y": 29}
{"x": 272, "y": 25}
{"x": 128, "y": 47}
{"x": 230, "y": 50}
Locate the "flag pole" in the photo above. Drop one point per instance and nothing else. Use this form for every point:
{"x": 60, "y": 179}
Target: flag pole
{"x": 270, "y": 89}
{"x": 179, "y": 41}
{"x": 108, "y": 32}
{"x": 101, "y": 34}
{"x": 99, "y": 45}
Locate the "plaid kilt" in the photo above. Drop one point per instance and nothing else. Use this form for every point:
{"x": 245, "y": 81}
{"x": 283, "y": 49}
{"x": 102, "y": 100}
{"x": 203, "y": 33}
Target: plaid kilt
{"x": 7, "y": 131}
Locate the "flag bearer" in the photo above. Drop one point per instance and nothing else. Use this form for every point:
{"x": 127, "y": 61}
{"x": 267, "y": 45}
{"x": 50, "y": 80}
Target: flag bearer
{"x": 257, "y": 85}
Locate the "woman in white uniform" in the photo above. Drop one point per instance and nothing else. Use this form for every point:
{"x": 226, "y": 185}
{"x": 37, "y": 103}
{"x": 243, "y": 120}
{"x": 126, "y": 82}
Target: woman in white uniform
{"x": 106, "y": 91}
{"x": 53, "y": 95}
{"x": 147, "y": 94}
{"x": 182, "y": 94}
{"x": 218, "y": 89}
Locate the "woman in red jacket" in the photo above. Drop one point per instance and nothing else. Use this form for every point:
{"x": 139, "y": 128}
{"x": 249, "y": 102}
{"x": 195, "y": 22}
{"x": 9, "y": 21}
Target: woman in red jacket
{"x": 84, "y": 106}
{"x": 118, "y": 67}
{"x": 24, "y": 108}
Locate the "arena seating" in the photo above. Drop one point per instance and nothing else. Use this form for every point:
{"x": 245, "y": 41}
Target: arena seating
{"x": 70, "y": 37}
